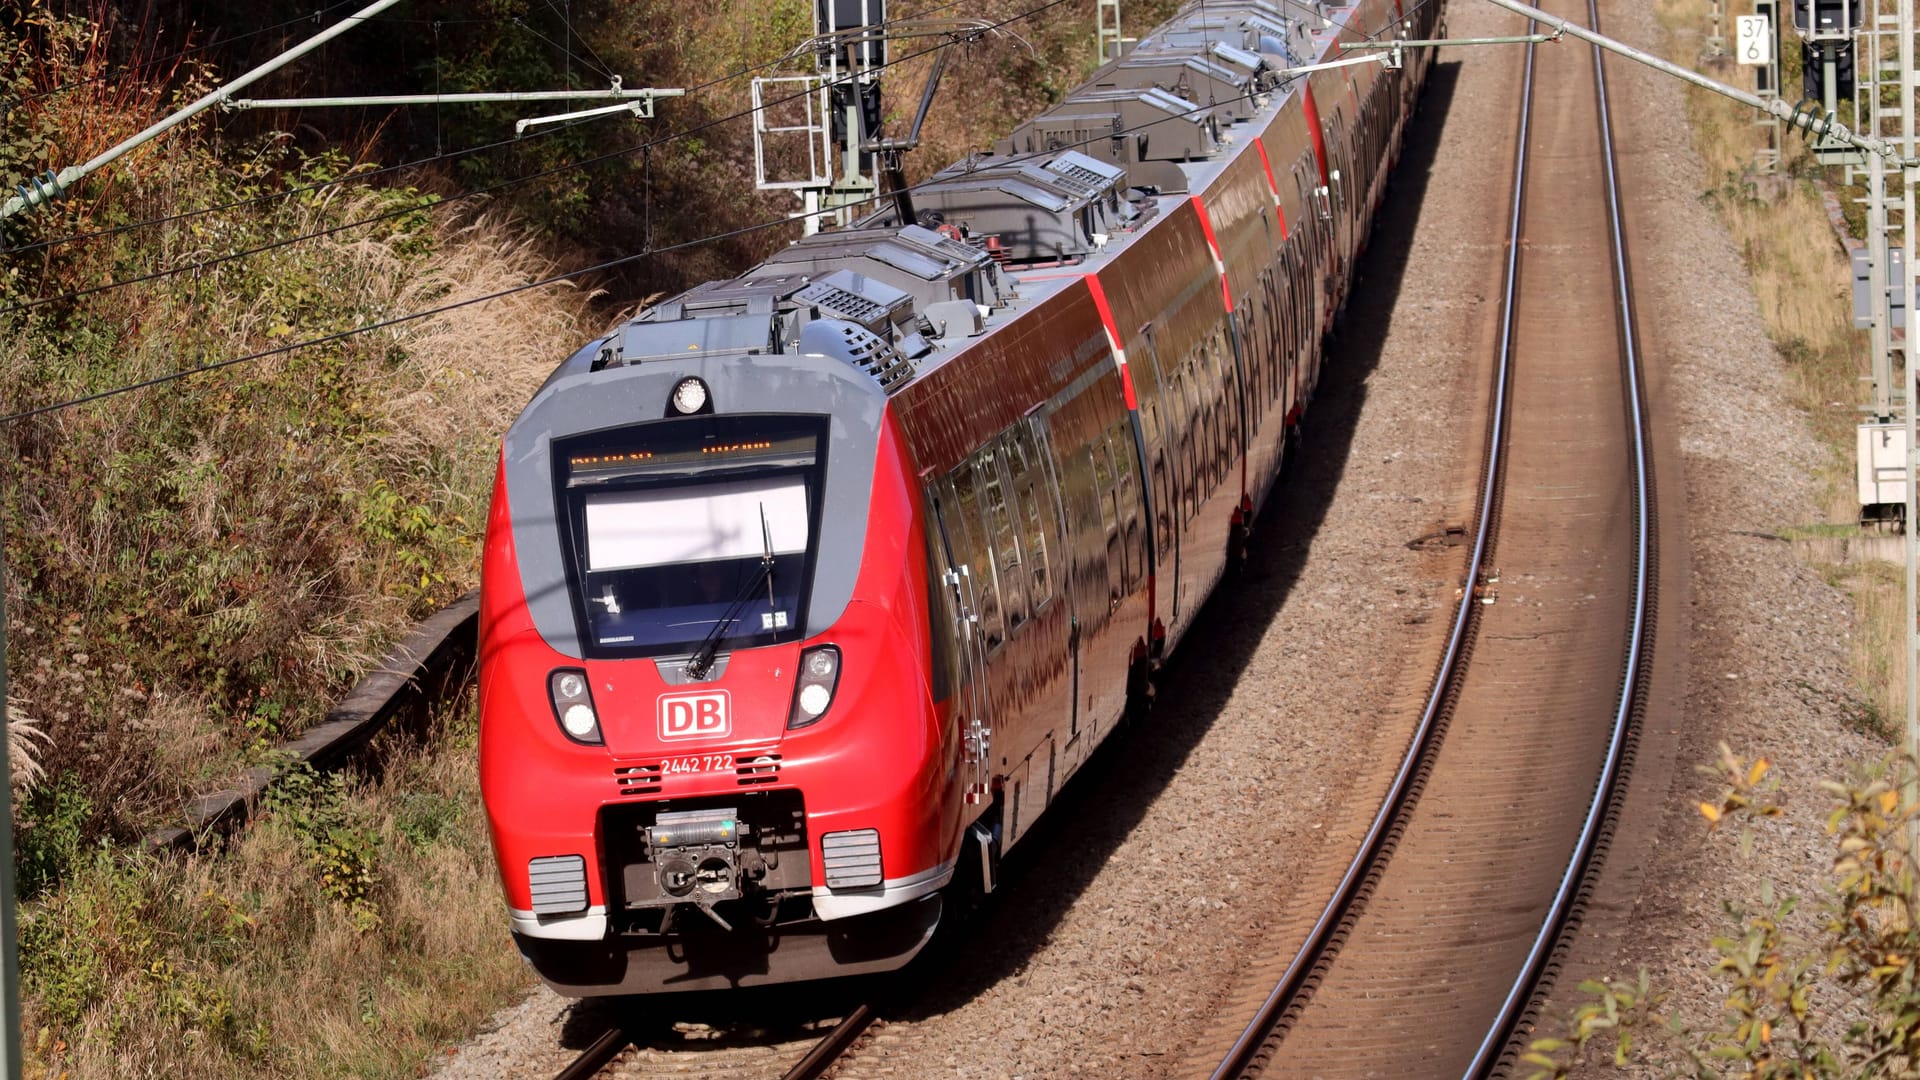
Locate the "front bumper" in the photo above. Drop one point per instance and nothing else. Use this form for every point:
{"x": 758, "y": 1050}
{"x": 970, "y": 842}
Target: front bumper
{"x": 708, "y": 958}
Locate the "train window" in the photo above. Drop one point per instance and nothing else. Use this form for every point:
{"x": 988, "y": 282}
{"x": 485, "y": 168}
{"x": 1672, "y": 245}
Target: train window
{"x": 979, "y": 561}
{"x": 1006, "y": 544}
{"x": 1189, "y": 450}
{"x": 1103, "y": 483}
{"x": 1086, "y": 563}
{"x": 665, "y": 557}
{"x": 1036, "y": 502}
{"x": 1230, "y": 389}
{"x": 1126, "y": 498}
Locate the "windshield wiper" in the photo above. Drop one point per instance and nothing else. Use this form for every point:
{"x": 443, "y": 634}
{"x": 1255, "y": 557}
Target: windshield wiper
{"x": 703, "y": 657}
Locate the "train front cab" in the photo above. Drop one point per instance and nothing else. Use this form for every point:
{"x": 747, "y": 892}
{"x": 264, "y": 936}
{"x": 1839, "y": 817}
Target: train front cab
{"x": 787, "y": 814}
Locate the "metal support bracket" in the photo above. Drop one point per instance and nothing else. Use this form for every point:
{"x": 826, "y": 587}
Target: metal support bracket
{"x": 614, "y": 92}
{"x": 1771, "y": 106}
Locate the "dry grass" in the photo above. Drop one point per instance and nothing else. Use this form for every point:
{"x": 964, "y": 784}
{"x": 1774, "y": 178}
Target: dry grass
{"x": 468, "y": 371}
{"x": 25, "y": 743}
{"x": 241, "y": 965}
{"x": 194, "y": 571}
{"x": 1800, "y": 275}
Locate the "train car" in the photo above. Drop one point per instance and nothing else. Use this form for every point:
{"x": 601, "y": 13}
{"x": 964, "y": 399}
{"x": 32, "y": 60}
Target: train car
{"x": 805, "y": 591}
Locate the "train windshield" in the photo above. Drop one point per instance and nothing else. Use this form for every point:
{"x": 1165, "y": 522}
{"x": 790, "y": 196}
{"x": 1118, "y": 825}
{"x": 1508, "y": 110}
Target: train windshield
{"x": 684, "y": 531}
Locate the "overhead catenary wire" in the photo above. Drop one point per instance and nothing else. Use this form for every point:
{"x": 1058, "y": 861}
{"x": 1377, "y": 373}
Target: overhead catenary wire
{"x": 554, "y": 279}
{"x": 422, "y": 162}
{"x": 567, "y": 20}
{"x": 565, "y": 51}
{"x": 201, "y": 265}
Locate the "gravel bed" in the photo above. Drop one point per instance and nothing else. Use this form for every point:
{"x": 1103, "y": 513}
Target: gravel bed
{"x": 1767, "y": 637}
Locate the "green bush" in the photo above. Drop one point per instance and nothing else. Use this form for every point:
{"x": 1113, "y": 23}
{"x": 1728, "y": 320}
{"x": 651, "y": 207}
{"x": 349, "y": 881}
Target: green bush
{"x": 50, "y": 834}
{"x": 1840, "y": 1002}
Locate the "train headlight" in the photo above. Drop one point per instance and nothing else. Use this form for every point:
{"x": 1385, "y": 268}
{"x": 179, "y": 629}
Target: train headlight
{"x": 815, "y": 699}
{"x": 573, "y": 706}
{"x": 819, "y": 674}
{"x": 689, "y": 396}
{"x": 579, "y": 721}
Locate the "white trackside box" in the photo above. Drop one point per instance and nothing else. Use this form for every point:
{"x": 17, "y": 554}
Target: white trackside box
{"x": 1881, "y": 466}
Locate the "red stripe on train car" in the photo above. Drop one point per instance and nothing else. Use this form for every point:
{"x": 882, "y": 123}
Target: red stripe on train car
{"x": 1213, "y": 245}
{"x": 1100, "y": 304}
{"x": 1273, "y": 188}
{"x": 1313, "y": 128}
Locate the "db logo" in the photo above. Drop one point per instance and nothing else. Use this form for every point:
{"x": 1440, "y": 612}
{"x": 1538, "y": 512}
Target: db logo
{"x": 707, "y": 715}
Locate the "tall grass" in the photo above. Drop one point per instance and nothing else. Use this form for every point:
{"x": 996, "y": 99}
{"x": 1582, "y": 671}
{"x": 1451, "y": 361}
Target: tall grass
{"x": 194, "y": 571}
{"x": 351, "y": 930}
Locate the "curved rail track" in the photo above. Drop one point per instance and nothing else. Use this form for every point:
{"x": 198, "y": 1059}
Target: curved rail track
{"x": 1526, "y": 917}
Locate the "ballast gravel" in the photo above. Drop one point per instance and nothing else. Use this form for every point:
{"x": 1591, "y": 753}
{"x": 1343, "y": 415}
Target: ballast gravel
{"x": 1770, "y": 667}
{"x": 1187, "y": 845}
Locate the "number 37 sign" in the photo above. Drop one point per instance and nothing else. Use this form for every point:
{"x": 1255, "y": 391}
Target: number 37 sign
{"x": 1753, "y": 39}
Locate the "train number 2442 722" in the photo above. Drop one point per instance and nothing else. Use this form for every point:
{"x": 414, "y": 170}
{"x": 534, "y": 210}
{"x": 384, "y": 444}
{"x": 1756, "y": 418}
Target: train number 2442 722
{"x": 697, "y": 763}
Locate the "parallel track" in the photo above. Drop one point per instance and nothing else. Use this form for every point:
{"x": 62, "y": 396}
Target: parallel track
{"x": 1257, "y": 1043}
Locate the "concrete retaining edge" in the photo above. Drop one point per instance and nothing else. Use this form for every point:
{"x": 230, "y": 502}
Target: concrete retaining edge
{"x": 432, "y": 661}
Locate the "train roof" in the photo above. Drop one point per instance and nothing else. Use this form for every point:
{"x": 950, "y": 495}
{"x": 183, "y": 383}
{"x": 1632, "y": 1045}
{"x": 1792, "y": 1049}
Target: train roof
{"x": 1069, "y": 187}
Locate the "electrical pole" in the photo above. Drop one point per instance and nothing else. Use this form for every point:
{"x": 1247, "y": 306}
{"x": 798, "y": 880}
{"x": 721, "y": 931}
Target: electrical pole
{"x": 1828, "y": 127}
{"x": 1759, "y": 48}
{"x": 9, "y": 927}
{"x": 1909, "y": 176}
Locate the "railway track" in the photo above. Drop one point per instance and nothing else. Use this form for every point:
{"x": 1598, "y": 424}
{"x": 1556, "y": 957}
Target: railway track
{"x": 820, "y": 1055}
{"x": 1470, "y": 877}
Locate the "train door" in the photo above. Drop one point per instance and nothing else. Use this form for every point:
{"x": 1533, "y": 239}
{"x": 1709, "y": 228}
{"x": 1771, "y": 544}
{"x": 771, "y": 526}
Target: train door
{"x": 1225, "y": 357}
{"x": 1244, "y": 381}
{"x": 1128, "y": 501}
{"x": 1090, "y": 600}
{"x": 970, "y": 697}
{"x": 1176, "y": 436}
{"x": 1340, "y": 194}
{"x": 1051, "y": 623}
{"x": 1315, "y": 264}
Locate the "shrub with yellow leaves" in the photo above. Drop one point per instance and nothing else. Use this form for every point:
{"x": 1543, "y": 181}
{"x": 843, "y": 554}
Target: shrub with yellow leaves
{"x": 1842, "y": 1001}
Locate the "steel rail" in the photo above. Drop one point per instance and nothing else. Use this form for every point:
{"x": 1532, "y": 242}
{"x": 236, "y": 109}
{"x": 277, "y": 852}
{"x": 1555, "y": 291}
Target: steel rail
{"x": 832, "y": 1046}
{"x": 1602, "y": 811}
{"x": 1446, "y": 679}
{"x": 597, "y": 1054}
{"x": 829, "y": 1049}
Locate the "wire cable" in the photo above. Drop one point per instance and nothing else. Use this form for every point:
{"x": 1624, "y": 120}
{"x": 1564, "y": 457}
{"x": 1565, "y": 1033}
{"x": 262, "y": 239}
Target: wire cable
{"x": 565, "y": 51}
{"x": 599, "y": 267}
{"x": 201, "y": 265}
{"x": 567, "y": 20}
{"x": 369, "y": 174}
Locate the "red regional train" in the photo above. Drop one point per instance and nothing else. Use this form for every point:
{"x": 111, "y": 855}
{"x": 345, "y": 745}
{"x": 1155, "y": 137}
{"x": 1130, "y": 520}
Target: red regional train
{"x": 805, "y": 591}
